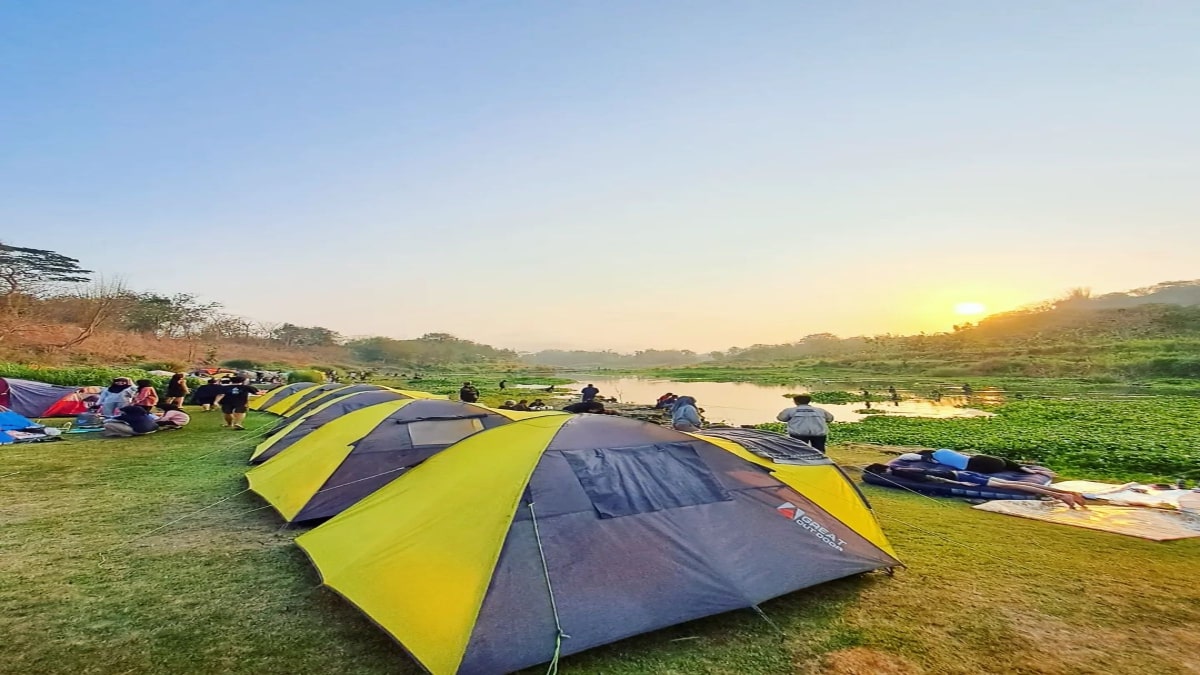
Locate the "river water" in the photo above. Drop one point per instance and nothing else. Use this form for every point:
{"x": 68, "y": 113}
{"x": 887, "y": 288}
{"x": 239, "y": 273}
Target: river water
{"x": 745, "y": 403}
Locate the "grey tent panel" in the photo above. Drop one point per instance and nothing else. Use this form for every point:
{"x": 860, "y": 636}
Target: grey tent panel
{"x": 300, "y": 410}
{"x": 628, "y": 481}
{"x": 321, "y": 417}
{"x": 32, "y": 399}
{"x": 618, "y": 577}
{"x": 276, "y": 395}
{"x": 777, "y": 448}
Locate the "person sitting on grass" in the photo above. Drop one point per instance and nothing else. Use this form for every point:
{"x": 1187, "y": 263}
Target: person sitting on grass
{"x": 665, "y": 401}
{"x": 976, "y": 463}
{"x": 538, "y": 404}
{"x": 1071, "y": 499}
{"x": 522, "y": 405}
{"x": 509, "y": 405}
{"x": 134, "y": 420}
{"x": 685, "y": 415}
{"x": 172, "y": 417}
{"x": 146, "y": 396}
{"x": 118, "y": 395}
{"x": 233, "y": 400}
{"x": 590, "y": 407}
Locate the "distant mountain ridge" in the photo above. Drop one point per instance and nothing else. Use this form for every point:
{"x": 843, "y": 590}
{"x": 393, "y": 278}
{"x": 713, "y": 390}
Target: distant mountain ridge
{"x": 1185, "y": 293}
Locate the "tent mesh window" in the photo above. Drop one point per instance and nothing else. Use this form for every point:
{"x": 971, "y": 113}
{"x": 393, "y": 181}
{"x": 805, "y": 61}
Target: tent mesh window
{"x": 773, "y": 447}
{"x": 643, "y": 479}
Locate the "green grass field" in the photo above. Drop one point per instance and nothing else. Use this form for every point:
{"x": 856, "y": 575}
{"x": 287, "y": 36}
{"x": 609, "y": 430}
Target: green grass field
{"x": 97, "y": 577}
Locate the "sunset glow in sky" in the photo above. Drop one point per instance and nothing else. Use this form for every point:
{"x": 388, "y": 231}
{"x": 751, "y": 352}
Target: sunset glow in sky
{"x": 609, "y": 174}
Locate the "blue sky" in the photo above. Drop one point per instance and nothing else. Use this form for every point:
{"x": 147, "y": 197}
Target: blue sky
{"x": 616, "y": 174}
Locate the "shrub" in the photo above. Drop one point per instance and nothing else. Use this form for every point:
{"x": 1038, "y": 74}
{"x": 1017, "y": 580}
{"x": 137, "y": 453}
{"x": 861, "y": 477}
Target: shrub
{"x": 172, "y": 366}
{"x": 832, "y": 397}
{"x": 306, "y": 376}
{"x": 242, "y": 364}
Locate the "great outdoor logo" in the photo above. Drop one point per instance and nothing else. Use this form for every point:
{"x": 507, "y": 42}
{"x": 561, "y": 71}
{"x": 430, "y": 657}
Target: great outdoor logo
{"x": 797, "y": 515}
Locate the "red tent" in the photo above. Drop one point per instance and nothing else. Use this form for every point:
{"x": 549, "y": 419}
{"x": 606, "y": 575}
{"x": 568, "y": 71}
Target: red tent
{"x": 39, "y": 399}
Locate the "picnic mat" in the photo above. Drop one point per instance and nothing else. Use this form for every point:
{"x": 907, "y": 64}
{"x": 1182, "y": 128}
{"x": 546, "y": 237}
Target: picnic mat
{"x": 1153, "y": 524}
{"x": 1128, "y": 494}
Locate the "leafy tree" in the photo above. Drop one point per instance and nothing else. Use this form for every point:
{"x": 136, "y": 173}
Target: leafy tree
{"x": 179, "y": 316}
{"x": 27, "y": 275}
{"x": 292, "y": 335}
{"x": 29, "y": 271}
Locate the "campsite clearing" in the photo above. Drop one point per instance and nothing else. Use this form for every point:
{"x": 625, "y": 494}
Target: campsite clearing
{"x": 87, "y": 584}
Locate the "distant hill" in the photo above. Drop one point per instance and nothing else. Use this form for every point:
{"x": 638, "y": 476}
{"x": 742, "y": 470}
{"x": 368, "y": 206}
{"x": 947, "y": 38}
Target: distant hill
{"x": 1185, "y": 293}
{"x": 1146, "y": 332}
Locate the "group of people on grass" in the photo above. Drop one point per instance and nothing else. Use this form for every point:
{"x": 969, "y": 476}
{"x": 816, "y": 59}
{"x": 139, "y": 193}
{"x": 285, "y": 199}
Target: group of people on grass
{"x": 525, "y": 405}
{"x": 127, "y": 407}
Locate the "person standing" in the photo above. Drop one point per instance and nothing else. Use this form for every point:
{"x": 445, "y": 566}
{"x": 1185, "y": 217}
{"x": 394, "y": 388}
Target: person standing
{"x": 685, "y": 416}
{"x": 589, "y": 393}
{"x": 503, "y": 385}
{"x": 177, "y": 390}
{"x": 118, "y": 395}
{"x": 233, "y": 400}
{"x": 468, "y": 393}
{"x": 806, "y": 423}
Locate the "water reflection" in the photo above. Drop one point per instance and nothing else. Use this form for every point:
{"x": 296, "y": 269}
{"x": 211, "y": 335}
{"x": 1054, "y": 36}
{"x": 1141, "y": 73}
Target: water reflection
{"x": 745, "y": 403}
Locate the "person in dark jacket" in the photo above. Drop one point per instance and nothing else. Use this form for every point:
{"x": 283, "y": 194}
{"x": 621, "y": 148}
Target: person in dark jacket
{"x": 134, "y": 420}
{"x": 589, "y": 393}
{"x": 206, "y": 394}
{"x": 468, "y": 393}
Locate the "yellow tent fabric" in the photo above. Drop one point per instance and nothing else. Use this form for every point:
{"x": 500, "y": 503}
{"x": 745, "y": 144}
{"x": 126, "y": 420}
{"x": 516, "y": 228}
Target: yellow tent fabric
{"x": 291, "y": 479}
{"x": 257, "y": 403}
{"x": 282, "y": 407}
{"x": 826, "y": 485}
{"x": 326, "y": 402}
{"x": 418, "y": 556}
{"x": 400, "y": 571}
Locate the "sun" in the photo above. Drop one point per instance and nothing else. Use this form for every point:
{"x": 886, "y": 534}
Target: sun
{"x": 969, "y": 308}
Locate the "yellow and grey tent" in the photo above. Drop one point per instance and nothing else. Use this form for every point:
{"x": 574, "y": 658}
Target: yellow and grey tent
{"x": 302, "y": 402}
{"x": 550, "y": 536}
{"x": 307, "y": 404}
{"x": 312, "y": 415}
{"x": 278, "y": 394}
{"x": 281, "y": 406}
{"x": 348, "y": 458}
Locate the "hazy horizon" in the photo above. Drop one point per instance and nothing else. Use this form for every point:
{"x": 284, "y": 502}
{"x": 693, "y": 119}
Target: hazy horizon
{"x": 617, "y": 175}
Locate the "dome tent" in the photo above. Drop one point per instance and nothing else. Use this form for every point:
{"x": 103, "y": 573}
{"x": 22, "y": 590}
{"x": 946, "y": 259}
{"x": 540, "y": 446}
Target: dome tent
{"x": 635, "y": 527}
{"x": 299, "y": 397}
{"x": 350, "y": 457}
{"x": 40, "y": 399}
{"x": 294, "y": 429}
{"x": 310, "y": 404}
{"x": 276, "y": 395}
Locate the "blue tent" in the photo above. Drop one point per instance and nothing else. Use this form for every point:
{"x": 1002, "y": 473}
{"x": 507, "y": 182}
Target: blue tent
{"x": 11, "y": 421}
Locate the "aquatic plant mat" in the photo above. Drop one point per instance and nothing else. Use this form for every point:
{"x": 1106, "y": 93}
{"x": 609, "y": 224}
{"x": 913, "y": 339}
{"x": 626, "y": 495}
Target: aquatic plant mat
{"x": 1134, "y": 521}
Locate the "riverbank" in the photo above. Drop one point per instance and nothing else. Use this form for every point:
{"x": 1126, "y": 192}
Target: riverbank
{"x": 88, "y": 583}
{"x": 820, "y": 377}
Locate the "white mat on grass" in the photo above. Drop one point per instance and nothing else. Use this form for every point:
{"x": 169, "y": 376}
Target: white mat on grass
{"x": 1153, "y": 524}
{"x": 1129, "y": 494}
